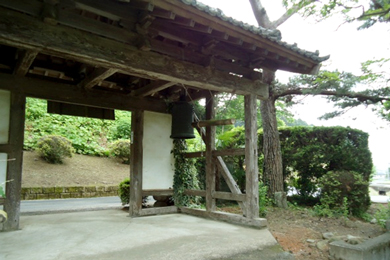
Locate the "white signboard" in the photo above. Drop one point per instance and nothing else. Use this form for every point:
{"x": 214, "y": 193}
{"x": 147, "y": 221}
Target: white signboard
{"x": 158, "y": 163}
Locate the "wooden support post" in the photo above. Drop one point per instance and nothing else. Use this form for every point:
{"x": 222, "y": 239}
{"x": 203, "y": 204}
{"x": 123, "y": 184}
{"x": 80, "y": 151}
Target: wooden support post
{"x": 136, "y": 163}
{"x": 251, "y": 158}
{"x": 14, "y": 171}
{"x": 210, "y": 164}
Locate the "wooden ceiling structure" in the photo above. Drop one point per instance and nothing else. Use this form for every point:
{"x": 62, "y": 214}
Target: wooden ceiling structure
{"x": 138, "y": 55}
{"x": 142, "y": 52}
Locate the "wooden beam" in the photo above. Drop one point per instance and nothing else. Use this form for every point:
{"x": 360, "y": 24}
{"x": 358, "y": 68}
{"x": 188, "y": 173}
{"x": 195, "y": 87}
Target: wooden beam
{"x": 210, "y": 164}
{"x": 14, "y": 169}
{"x": 24, "y": 62}
{"x": 25, "y": 32}
{"x": 214, "y": 122}
{"x": 229, "y": 152}
{"x": 152, "y": 88}
{"x": 227, "y": 217}
{"x": 200, "y": 193}
{"x": 97, "y": 76}
{"x": 5, "y": 148}
{"x": 229, "y": 179}
{"x": 251, "y": 158}
{"x": 229, "y": 196}
{"x": 136, "y": 163}
{"x": 195, "y": 154}
{"x": 158, "y": 211}
{"x": 71, "y": 94}
{"x": 165, "y": 192}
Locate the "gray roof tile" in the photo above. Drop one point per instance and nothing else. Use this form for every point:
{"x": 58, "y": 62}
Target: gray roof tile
{"x": 272, "y": 35}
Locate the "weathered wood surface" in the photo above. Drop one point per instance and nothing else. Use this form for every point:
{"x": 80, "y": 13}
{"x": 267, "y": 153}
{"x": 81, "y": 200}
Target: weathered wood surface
{"x": 251, "y": 158}
{"x": 24, "y": 62}
{"x": 195, "y": 154}
{"x": 215, "y": 122}
{"x": 26, "y": 32}
{"x": 136, "y": 163}
{"x": 72, "y": 94}
{"x": 152, "y": 88}
{"x": 161, "y": 192}
{"x": 97, "y": 76}
{"x": 229, "y": 196}
{"x": 14, "y": 170}
{"x": 229, "y": 152}
{"x": 229, "y": 179}
{"x": 2, "y": 201}
{"x": 210, "y": 146}
{"x": 158, "y": 211}
{"x": 200, "y": 193}
{"x": 227, "y": 217}
{"x": 5, "y": 148}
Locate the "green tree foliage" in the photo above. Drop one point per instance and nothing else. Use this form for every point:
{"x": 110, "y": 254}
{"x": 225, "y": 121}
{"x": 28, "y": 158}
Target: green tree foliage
{"x": 88, "y": 136}
{"x": 367, "y": 12}
{"x": 343, "y": 192}
{"x": 310, "y": 152}
{"x": 54, "y": 148}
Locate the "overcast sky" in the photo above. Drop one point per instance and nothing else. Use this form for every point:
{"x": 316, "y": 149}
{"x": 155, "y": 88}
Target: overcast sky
{"x": 347, "y": 47}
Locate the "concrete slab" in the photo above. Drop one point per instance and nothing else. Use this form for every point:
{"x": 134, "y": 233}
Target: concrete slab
{"x": 111, "y": 234}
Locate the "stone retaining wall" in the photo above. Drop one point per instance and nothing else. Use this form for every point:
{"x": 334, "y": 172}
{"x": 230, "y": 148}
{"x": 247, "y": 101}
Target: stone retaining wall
{"x": 39, "y": 193}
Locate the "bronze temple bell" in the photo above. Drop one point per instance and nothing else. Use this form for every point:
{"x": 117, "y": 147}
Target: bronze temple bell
{"x": 182, "y": 118}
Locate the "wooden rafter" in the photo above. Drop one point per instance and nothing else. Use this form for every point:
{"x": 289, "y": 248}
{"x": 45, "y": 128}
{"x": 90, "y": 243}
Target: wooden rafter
{"x": 152, "y": 88}
{"x": 24, "y": 62}
{"x": 97, "y": 76}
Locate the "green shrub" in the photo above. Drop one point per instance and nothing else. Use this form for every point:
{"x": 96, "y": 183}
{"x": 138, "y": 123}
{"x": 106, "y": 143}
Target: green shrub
{"x": 121, "y": 150}
{"x": 264, "y": 201}
{"x": 382, "y": 215}
{"x": 122, "y": 129}
{"x": 124, "y": 191}
{"x": 54, "y": 148}
{"x": 344, "y": 193}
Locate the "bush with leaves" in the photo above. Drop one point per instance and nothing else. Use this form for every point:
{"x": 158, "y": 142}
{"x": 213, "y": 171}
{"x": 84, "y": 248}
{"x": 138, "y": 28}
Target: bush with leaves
{"x": 54, "y": 148}
{"x": 185, "y": 176}
{"x": 124, "y": 191}
{"x": 121, "y": 149}
{"x": 344, "y": 193}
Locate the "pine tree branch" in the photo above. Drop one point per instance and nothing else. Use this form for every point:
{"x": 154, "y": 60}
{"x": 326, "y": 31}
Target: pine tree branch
{"x": 290, "y": 12}
{"x": 260, "y": 14}
{"x": 359, "y": 96}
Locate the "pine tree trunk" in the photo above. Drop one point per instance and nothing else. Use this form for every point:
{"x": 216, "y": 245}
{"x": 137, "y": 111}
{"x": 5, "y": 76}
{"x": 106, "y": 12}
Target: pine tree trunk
{"x": 272, "y": 170}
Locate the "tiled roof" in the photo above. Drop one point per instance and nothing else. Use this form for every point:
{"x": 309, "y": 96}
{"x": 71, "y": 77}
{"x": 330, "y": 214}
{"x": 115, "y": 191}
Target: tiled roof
{"x": 272, "y": 35}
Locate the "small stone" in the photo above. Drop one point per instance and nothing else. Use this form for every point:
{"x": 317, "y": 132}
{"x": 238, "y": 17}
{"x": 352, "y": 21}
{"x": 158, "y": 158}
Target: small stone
{"x": 310, "y": 241}
{"x": 373, "y": 221}
{"x": 323, "y": 245}
{"x": 337, "y": 238}
{"x": 354, "y": 240}
{"x": 388, "y": 225}
{"x": 327, "y": 235}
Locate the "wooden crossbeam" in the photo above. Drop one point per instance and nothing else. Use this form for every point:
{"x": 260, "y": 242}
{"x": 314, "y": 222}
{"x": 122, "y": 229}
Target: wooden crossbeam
{"x": 97, "y": 76}
{"x": 214, "y": 122}
{"x": 158, "y": 211}
{"x": 24, "y": 62}
{"x": 152, "y": 88}
{"x": 67, "y": 93}
{"x": 164, "y": 192}
{"x": 229, "y": 196}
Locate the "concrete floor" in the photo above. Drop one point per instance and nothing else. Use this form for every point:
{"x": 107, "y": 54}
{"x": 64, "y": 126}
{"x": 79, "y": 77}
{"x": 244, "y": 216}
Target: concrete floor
{"x": 111, "y": 234}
